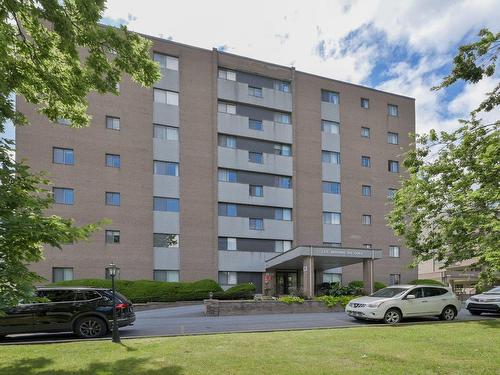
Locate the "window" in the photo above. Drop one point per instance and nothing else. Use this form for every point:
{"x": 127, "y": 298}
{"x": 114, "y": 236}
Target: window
{"x": 434, "y": 292}
{"x": 331, "y": 157}
{"x": 231, "y": 243}
{"x": 331, "y": 217}
{"x": 366, "y": 220}
{"x": 63, "y": 195}
{"x": 330, "y": 96}
{"x": 112, "y": 199}
{"x": 165, "y": 240}
{"x": 283, "y": 150}
{"x": 256, "y": 191}
{"x": 255, "y": 157}
{"x": 227, "y": 141}
{"x": 392, "y": 138}
{"x": 112, "y": 123}
{"x": 227, "y": 278}
{"x": 282, "y": 86}
{"x": 166, "y": 62}
{"x": 284, "y": 182}
{"x": 255, "y": 124}
{"x": 366, "y": 191}
{"x": 394, "y": 279}
{"x": 117, "y": 87}
{"x": 394, "y": 251}
{"x": 418, "y": 292}
{"x": 112, "y": 160}
{"x": 166, "y": 168}
{"x": 256, "y": 223}
{"x": 283, "y": 118}
{"x": 226, "y": 108}
{"x": 228, "y": 209}
{"x": 61, "y": 274}
{"x": 391, "y": 193}
{"x": 63, "y": 156}
{"x": 331, "y": 187}
{"x": 330, "y": 127}
{"x": 112, "y": 236}
{"x": 166, "y": 97}
{"x": 63, "y": 121}
{"x": 283, "y": 214}
{"x": 392, "y": 110}
{"x": 167, "y": 133}
{"x": 332, "y": 277}
{"x": 227, "y": 175}
{"x": 365, "y": 132}
{"x": 366, "y": 161}
{"x": 230, "y": 75}
{"x": 228, "y": 243}
{"x": 281, "y": 246}
{"x": 367, "y": 245}
{"x": 393, "y": 166}
{"x": 365, "y": 103}
{"x": 255, "y": 91}
{"x": 166, "y": 204}
{"x": 165, "y": 275}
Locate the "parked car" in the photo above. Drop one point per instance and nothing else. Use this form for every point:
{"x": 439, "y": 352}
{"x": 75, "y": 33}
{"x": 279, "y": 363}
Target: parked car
{"x": 394, "y": 303}
{"x": 487, "y": 302}
{"x": 88, "y": 312}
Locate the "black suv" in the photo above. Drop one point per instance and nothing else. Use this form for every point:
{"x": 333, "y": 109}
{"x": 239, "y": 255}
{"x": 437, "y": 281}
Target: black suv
{"x": 86, "y": 311}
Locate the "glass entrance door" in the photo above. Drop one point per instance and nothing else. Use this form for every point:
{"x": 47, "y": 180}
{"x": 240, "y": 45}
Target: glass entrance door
{"x": 286, "y": 282}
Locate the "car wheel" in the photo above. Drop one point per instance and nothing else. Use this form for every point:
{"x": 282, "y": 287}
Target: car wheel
{"x": 90, "y": 327}
{"x": 392, "y": 316}
{"x": 449, "y": 313}
{"x": 475, "y": 312}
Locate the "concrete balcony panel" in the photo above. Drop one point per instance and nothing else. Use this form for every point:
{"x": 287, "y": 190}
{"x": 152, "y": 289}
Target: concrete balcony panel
{"x": 330, "y": 111}
{"x": 331, "y": 202}
{"x": 243, "y": 261}
{"x": 238, "y": 92}
{"x": 166, "y": 186}
{"x": 165, "y": 222}
{"x": 166, "y": 114}
{"x": 330, "y": 142}
{"x": 169, "y": 80}
{"x": 238, "y": 159}
{"x": 239, "y": 227}
{"x": 166, "y": 258}
{"x": 332, "y": 233}
{"x": 239, "y": 193}
{"x": 238, "y": 125}
{"x": 165, "y": 150}
{"x": 331, "y": 172}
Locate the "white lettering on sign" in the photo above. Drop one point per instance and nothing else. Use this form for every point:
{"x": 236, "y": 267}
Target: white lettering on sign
{"x": 342, "y": 252}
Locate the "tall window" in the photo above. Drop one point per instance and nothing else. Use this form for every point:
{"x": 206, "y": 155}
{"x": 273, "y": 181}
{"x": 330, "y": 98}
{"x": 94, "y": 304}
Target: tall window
{"x": 331, "y": 157}
{"x": 281, "y": 246}
{"x": 366, "y": 220}
{"x": 166, "y": 204}
{"x": 228, "y": 209}
{"x": 166, "y": 97}
{"x": 167, "y": 133}
{"x": 255, "y": 91}
{"x": 284, "y": 182}
{"x": 112, "y": 161}
{"x": 366, "y": 191}
{"x": 365, "y": 103}
{"x": 112, "y": 198}
{"x": 365, "y": 132}
{"x": 255, "y": 157}
{"x": 166, "y": 275}
{"x": 391, "y": 193}
{"x": 330, "y": 127}
{"x": 227, "y": 278}
{"x": 283, "y": 150}
{"x": 230, "y": 75}
{"x": 228, "y": 108}
{"x": 62, "y": 274}
{"x": 166, "y": 62}
{"x": 255, "y": 124}
{"x": 227, "y": 141}
{"x": 166, "y": 168}
{"x": 112, "y": 236}
{"x": 227, "y": 175}
{"x": 331, "y": 187}
{"x": 330, "y": 96}
{"x": 228, "y": 243}
{"x": 165, "y": 240}
{"x": 256, "y": 190}
{"x": 392, "y": 110}
{"x": 392, "y": 138}
{"x": 394, "y": 251}
{"x": 256, "y": 223}
{"x": 283, "y": 214}
{"x": 394, "y": 279}
{"x": 331, "y": 217}
{"x": 63, "y": 195}
{"x": 63, "y": 156}
{"x": 366, "y": 161}
{"x": 282, "y": 86}
{"x": 63, "y": 121}
{"x": 283, "y": 118}
{"x": 393, "y": 166}
{"x": 112, "y": 123}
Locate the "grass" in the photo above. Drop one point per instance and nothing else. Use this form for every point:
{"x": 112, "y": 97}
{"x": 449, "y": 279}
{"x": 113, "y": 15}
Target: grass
{"x": 457, "y": 348}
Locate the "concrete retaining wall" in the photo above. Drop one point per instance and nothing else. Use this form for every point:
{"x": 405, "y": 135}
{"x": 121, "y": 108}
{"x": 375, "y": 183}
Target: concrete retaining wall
{"x": 214, "y": 307}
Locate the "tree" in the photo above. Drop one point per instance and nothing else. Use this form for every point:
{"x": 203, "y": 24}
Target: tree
{"x": 53, "y": 53}
{"x": 448, "y": 208}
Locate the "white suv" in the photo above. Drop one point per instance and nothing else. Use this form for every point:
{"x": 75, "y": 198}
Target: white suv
{"x": 403, "y": 301}
{"x": 488, "y": 302}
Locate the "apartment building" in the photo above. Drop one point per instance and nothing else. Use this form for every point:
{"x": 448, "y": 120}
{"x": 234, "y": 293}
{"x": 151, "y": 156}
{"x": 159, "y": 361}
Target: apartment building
{"x": 240, "y": 160}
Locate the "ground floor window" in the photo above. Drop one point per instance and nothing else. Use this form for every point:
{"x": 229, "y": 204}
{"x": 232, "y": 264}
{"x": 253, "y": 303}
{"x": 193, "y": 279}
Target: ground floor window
{"x": 332, "y": 277}
{"x": 227, "y": 278}
{"x": 166, "y": 275}
{"x": 394, "y": 279}
{"x": 62, "y": 274}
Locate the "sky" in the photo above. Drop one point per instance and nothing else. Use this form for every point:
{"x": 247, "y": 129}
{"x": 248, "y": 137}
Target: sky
{"x": 404, "y": 47}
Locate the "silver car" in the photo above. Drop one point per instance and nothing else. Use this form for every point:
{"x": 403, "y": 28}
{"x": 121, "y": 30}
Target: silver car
{"x": 487, "y": 302}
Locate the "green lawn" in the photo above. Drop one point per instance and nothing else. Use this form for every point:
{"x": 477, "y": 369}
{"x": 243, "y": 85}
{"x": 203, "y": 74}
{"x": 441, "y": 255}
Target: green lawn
{"x": 456, "y": 348}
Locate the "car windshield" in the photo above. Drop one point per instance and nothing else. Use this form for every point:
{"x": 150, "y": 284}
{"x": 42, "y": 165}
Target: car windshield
{"x": 493, "y": 291}
{"x": 388, "y": 292}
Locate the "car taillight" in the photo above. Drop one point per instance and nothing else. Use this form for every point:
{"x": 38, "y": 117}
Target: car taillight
{"x": 121, "y": 305}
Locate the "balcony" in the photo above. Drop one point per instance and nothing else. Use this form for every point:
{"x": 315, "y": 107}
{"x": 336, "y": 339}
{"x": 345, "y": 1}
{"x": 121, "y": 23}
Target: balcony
{"x": 166, "y": 186}
{"x": 166, "y": 114}
{"x": 331, "y": 203}
{"x": 165, "y": 222}
{"x": 238, "y": 193}
{"x": 332, "y": 233}
{"x": 331, "y": 172}
{"x": 165, "y": 150}
{"x": 239, "y": 227}
{"x": 330, "y": 142}
{"x": 166, "y": 258}
{"x": 243, "y": 261}
{"x": 238, "y": 159}
{"x": 169, "y": 80}
{"x": 330, "y": 111}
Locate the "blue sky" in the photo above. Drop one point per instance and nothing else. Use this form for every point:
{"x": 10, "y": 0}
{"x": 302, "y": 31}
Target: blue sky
{"x": 404, "y": 47}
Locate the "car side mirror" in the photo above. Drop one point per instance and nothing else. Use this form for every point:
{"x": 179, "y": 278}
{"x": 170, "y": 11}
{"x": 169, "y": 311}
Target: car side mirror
{"x": 410, "y": 296}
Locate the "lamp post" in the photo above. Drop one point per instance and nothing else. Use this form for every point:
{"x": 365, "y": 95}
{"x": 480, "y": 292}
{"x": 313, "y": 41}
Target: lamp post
{"x": 113, "y": 271}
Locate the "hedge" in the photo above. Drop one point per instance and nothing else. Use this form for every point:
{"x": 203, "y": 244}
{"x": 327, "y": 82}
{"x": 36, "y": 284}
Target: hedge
{"x": 240, "y": 291}
{"x": 426, "y": 282}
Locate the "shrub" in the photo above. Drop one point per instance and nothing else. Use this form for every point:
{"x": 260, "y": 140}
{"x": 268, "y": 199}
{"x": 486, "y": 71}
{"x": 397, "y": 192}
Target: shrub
{"x": 240, "y": 291}
{"x": 291, "y": 299}
{"x": 356, "y": 284}
{"x": 379, "y": 285}
{"x": 426, "y": 282}
{"x": 332, "y": 301}
{"x": 141, "y": 291}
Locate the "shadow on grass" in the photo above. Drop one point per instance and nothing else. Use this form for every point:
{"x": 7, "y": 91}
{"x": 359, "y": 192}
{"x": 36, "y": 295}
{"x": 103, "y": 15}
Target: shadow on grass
{"x": 493, "y": 323}
{"x": 44, "y": 366}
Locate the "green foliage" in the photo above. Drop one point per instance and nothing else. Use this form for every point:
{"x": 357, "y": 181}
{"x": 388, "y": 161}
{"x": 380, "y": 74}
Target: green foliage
{"x": 356, "y": 284}
{"x": 291, "y": 299}
{"x": 332, "y": 301}
{"x": 426, "y": 282}
{"x": 240, "y": 291}
{"x": 379, "y": 285}
{"x": 142, "y": 291}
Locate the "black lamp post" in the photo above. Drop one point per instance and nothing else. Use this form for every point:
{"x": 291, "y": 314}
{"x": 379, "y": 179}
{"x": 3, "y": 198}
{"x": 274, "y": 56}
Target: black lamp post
{"x": 113, "y": 271}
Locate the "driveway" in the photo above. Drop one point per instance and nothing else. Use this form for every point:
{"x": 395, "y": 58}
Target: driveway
{"x": 191, "y": 320}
